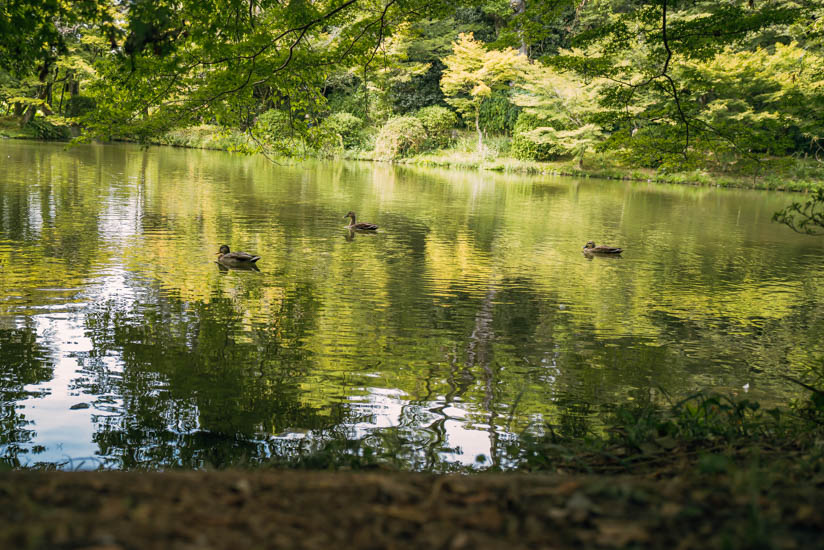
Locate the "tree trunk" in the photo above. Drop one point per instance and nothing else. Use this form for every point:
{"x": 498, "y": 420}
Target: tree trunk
{"x": 581, "y": 161}
{"x": 62, "y": 91}
{"x": 478, "y": 129}
{"x": 44, "y": 94}
{"x": 519, "y": 7}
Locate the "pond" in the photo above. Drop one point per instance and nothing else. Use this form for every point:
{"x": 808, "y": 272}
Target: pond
{"x": 469, "y": 318}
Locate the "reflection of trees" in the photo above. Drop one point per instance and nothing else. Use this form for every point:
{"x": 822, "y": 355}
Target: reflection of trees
{"x": 23, "y": 362}
{"x": 196, "y": 386}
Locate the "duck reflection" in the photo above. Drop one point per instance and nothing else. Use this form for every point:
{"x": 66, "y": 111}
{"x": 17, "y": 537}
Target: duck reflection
{"x": 240, "y": 267}
{"x": 590, "y": 257}
{"x": 350, "y": 234}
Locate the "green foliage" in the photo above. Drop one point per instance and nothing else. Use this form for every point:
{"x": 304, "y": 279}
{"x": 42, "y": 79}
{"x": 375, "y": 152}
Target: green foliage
{"x": 347, "y": 126}
{"x": 36, "y": 33}
{"x": 399, "y": 137}
{"x": 566, "y": 108}
{"x": 439, "y": 123}
{"x": 429, "y": 41}
{"x": 188, "y": 63}
{"x": 720, "y": 86}
{"x": 418, "y": 91}
{"x": 664, "y": 87}
{"x": 281, "y": 132}
{"x": 531, "y": 143}
{"x": 208, "y": 137}
{"x": 79, "y": 105}
{"x": 345, "y": 92}
{"x": 636, "y": 434}
{"x": 51, "y": 129}
{"x": 473, "y": 73}
{"x": 805, "y": 217}
{"x": 498, "y": 114}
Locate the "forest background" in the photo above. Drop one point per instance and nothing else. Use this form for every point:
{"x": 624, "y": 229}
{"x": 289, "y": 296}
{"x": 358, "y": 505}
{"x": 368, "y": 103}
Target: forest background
{"x": 708, "y": 92}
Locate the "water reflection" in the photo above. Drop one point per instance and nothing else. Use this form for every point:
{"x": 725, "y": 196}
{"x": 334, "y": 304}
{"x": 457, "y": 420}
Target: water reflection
{"x": 471, "y": 317}
{"x": 24, "y": 366}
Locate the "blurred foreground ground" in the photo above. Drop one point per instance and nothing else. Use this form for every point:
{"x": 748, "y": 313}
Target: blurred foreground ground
{"x": 319, "y": 510}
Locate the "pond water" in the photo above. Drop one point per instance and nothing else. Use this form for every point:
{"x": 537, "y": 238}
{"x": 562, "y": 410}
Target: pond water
{"x": 468, "y": 319}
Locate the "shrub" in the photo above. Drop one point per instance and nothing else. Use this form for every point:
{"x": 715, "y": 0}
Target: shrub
{"x": 347, "y": 126}
{"x": 525, "y": 144}
{"x": 273, "y": 124}
{"x": 438, "y": 122}
{"x": 498, "y": 115}
{"x": 207, "y": 137}
{"x": 284, "y": 133}
{"x": 79, "y": 105}
{"x": 53, "y": 130}
{"x": 399, "y": 137}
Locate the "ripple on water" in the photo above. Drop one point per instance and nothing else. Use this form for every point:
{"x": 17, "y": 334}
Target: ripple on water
{"x": 469, "y": 317}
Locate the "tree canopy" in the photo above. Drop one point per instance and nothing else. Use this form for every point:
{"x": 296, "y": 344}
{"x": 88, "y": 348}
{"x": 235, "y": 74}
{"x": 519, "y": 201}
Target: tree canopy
{"x": 661, "y": 83}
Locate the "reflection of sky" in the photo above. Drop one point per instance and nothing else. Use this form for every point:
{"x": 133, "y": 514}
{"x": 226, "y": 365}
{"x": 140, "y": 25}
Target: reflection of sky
{"x": 511, "y": 250}
{"x": 386, "y": 407}
{"x": 67, "y": 434}
{"x": 53, "y": 419}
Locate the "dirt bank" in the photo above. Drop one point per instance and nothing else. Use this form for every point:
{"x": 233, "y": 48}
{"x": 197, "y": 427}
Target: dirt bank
{"x": 311, "y": 510}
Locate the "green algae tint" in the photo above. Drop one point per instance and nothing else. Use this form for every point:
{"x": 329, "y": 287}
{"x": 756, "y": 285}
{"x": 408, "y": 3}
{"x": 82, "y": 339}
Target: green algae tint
{"x": 470, "y": 317}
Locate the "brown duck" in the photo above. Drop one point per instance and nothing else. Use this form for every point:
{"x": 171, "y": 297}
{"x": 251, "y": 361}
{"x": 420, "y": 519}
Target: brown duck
{"x": 590, "y": 248}
{"x": 359, "y": 225}
{"x": 235, "y": 259}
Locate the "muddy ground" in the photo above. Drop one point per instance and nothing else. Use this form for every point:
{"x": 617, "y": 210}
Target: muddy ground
{"x": 318, "y": 510}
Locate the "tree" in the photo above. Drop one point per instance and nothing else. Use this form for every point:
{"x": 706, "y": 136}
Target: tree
{"x": 473, "y": 72}
{"x": 805, "y": 217}
{"x": 565, "y": 107}
{"x": 227, "y": 61}
{"x": 34, "y": 36}
{"x": 640, "y": 47}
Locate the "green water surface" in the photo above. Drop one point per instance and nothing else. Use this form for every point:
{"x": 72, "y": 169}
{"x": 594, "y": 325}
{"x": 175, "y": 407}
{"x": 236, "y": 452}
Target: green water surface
{"x": 470, "y": 317}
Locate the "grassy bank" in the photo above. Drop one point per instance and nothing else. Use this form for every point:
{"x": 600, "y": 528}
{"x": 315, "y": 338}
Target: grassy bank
{"x": 784, "y": 174}
{"x": 774, "y": 174}
{"x": 10, "y": 128}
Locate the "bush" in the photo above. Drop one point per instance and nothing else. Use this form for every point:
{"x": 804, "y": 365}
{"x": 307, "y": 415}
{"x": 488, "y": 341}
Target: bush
{"x": 498, "y": 115}
{"x": 438, "y": 122}
{"x": 419, "y": 91}
{"x": 207, "y": 137}
{"x": 525, "y": 147}
{"x": 43, "y": 128}
{"x": 347, "y": 126}
{"x": 284, "y": 133}
{"x": 79, "y": 105}
{"x": 273, "y": 124}
{"x": 399, "y": 137}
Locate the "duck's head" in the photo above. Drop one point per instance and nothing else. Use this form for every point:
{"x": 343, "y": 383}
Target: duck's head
{"x": 223, "y": 249}
{"x": 350, "y": 214}
{"x": 590, "y": 244}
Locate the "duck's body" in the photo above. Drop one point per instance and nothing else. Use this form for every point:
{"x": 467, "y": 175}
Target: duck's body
{"x": 590, "y": 248}
{"x": 235, "y": 259}
{"x": 354, "y": 224}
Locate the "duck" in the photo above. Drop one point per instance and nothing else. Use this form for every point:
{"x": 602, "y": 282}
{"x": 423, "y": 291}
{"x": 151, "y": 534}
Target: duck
{"x": 590, "y": 248}
{"x": 359, "y": 225}
{"x": 235, "y": 259}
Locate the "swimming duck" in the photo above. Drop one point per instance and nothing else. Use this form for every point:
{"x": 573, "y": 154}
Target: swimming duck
{"x": 359, "y": 225}
{"x": 235, "y": 259}
{"x": 590, "y": 248}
